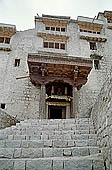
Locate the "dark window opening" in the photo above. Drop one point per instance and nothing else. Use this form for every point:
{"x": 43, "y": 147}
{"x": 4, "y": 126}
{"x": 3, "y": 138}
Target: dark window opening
{"x": 17, "y": 62}
{"x": 96, "y": 64}
{"x": 1, "y": 39}
{"x": 2, "y": 106}
{"x": 52, "y": 28}
{"x": 45, "y": 44}
{"x": 57, "y": 45}
{"x": 57, "y": 28}
{"x": 63, "y": 29}
{"x": 7, "y": 40}
{"x": 90, "y": 31}
{"x": 51, "y": 45}
{"x": 47, "y": 28}
{"x": 93, "y": 46}
{"x": 62, "y": 46}
{"x": 98, "y": 32}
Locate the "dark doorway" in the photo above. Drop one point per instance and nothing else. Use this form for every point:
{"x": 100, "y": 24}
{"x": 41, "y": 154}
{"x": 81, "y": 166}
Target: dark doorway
{"x": 55, "y": 112}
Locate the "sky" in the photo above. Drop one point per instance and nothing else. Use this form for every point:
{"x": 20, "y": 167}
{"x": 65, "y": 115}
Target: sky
{"x": 21, "y": 12}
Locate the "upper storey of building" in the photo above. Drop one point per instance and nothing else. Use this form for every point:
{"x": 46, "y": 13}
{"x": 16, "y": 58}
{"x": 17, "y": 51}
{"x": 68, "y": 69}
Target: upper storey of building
{"x": 63, "y": 35}
{"x": 6, "y": 32}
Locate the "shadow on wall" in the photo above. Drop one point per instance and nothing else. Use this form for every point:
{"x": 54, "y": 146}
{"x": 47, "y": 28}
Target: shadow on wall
{"x": 6, "y": 120}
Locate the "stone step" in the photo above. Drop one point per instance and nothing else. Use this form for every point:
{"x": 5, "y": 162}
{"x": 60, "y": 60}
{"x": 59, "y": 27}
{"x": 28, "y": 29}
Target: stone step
{"x": 67, "y": 135}
{"x": 56, "y": 163}
{"x": 49, "y": 127}
{"x": 55, "y": 121}
{"x": 36, "y": 131}
{"x": 50, "y": 136}
{"x": 47, "y": 152}
{"x": 49, "y": 143}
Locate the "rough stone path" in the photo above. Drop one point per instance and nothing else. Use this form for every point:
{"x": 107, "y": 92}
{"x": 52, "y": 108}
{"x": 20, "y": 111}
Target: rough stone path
{"x": 68, "y": 144}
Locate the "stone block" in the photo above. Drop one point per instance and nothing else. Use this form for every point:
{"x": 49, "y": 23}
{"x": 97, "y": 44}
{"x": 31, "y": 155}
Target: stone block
{"x": 78, "y": 165}
{"x": 57, "y": 152}
{"x": 6, "y": 164}
{"x": 6, "y": 153}
{"x": 71, "y": 143}
{"x": 81, "y": 143}
{"x": 48, "y": 143}
{"x": 60, "y": 143}
{"x": 36, "y": 144}
{"x": 93, "y": 150}
{"x": 47, "y": 152}
{"x": 58, "y": 165}
{"x": 39, "y": 165}
{"x": 19, "y": 137}
{"x": 80, "y": 151}
{"x": 19, "y": 165}
{"x": 98, "y": 165}
{"x": 13, "y": 144}
{"x": 17, "y": 153}
{"x": 2, "y": 143}
{"x": 31, "y": 153}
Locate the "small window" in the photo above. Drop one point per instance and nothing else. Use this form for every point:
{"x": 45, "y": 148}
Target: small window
{"x": 1, "y": 39}
{"x": 98, "y": 32}
{"x": 45, "y": 44}
{"x": 93, "y": 46}
{"x": 47, "y": 28}
{"x": 62, "y": 46}
{"x": 90, "y": 31}
{"x": 7, "y": 40}
{"x": 62, "y": 29}
{"x": 17, "y": 62}
{"x": 2, "y": 106}
{"x": 96, "y": 64}
{"x": 81, "y": 30}
{"x": 52, "y": 28}
{"x": 51, "y": 45}
{"x": 57, "y": 28}
{"x": 57, "y": 45}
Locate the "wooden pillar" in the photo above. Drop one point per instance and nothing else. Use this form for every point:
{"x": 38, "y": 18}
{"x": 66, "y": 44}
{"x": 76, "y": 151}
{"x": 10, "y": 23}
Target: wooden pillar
{"x": 52, "y": 90}
{"x": 75, "y": 104}
{"x": 65, "y": 90}
{"x": 42, "y": 103}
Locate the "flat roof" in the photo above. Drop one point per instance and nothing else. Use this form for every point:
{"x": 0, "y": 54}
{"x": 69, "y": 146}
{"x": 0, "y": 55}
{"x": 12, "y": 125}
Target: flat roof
{"x": 55, "y": 16}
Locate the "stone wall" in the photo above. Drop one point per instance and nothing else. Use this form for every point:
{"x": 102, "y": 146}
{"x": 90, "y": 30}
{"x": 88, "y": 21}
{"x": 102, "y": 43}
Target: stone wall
{"x": 102, "y": 117}
{"x": 6, "y": 120}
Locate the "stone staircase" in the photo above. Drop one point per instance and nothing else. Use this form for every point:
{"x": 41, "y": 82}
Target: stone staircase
{"x": 68, "y": 144}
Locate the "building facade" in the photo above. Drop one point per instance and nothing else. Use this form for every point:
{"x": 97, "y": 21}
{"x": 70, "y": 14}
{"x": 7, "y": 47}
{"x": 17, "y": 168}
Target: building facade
{"x": 57, "y": 69}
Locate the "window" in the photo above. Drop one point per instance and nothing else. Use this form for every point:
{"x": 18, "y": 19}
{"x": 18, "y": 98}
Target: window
{"x": 1, "y": 39}
{"x": 57, "y": 28}
{"x": 52, "y": 28}
{"x": 7, "y": 40}
{"x": 57, "y": 45}
{"x": 17, "y": 62}
{"x": 96, "y": 64}
{"x": 62, "y": 46}
{"x": 93, "y": 46}
{"x": 2, "y": 106}
{"x": 51, "y": 45}
{"x": 63, "y": 29}
{"x": 45, "y": 44}
{"x": 47, "y": 28}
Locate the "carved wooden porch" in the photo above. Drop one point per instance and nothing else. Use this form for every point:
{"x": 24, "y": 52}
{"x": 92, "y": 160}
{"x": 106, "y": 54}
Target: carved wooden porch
{"x": 59, "y": 79}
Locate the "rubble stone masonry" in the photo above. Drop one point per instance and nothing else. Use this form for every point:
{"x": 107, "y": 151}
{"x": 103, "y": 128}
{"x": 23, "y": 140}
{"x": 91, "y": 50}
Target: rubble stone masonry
{"x": 102, "y": 117}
